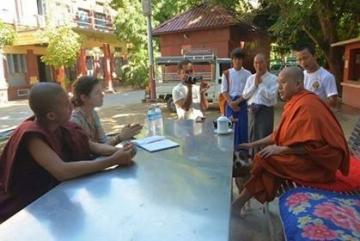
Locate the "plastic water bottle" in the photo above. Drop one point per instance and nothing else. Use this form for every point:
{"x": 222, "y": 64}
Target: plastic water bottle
{"x": 159, "y": 124}
{"x": 150, "y": 120}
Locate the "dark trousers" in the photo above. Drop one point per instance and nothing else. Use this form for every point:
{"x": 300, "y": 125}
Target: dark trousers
{"x": 261, "y": 124}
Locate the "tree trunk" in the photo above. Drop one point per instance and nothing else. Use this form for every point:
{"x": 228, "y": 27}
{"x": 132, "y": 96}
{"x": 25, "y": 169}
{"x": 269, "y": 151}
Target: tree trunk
{"x": 327, "y": 20}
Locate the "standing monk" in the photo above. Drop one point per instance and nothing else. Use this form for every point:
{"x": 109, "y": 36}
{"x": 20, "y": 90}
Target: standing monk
{"x": 308, "y": 146}
{"x": 47, "y": 149}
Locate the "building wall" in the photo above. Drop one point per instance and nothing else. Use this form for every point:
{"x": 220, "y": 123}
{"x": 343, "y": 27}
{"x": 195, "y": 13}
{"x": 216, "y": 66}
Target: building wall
{"x": 28, "y": 17}
{"x": 351, "y": 81}
{"x": 222, "y": 41}
{"x": 216, "y": 39}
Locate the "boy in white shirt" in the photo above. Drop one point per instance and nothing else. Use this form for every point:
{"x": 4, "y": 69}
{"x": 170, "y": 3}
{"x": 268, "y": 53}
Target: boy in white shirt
{"x": 316, "y": 78}
{"x": 232, "y": 86}
{"x": 190, "y": 99}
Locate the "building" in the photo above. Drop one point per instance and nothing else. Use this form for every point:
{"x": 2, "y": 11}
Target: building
{"x": 101, "y": 54}
{"x": 210, "y": 28}
{"x": 351, "y": 77}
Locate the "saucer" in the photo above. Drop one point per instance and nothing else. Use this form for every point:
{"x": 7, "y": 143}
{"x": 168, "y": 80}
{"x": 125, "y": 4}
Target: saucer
{"x": 223, "y": 133}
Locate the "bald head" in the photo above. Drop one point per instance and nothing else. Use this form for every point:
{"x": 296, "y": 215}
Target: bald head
{"x": 44, "y": 98}
{"x": 291, "y": 81}
{"x": 260, "y": 64}
{"x": 293, "y": 73}
{"x": 260, "y": 57}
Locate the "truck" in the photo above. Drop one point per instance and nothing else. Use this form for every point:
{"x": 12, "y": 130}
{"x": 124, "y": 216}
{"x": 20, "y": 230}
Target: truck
{"x": 167, "y": 78}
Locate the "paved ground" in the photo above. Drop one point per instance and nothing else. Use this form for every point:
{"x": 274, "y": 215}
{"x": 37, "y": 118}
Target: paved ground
{"x": 123, "y": 108}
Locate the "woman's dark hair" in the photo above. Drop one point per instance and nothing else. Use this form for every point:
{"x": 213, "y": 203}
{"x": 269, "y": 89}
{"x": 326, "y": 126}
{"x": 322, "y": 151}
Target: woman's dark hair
{"x": 83, "y": 86}
{"x": 237, "y": 53}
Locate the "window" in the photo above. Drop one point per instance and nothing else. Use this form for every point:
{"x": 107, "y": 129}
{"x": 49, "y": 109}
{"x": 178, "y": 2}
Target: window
{"x": 16, "y": 63}
{"x": 83, "y": 17}
{"x": 100, "y": 21}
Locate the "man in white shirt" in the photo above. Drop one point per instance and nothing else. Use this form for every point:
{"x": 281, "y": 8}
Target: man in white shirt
{"x": 316, "y": 78}
{"x": 190, "y": 99}
{"x": 232, "y": 87}
{"x": 261, "y": 94}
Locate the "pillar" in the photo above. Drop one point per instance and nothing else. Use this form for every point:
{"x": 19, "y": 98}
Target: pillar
{"x": 107, "y": 67}
{"x": 81, "y": 67}
{"x": 3, "y": 83}
{"x": 59, "y": 73}
{"x": 32, "y": 75}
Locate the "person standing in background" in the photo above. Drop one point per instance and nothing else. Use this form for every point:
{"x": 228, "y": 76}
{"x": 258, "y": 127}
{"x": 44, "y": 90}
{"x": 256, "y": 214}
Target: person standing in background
{"x": 261, "y": 94}
{"x": 232, "y": 87}
{"x": 316, "y": 78}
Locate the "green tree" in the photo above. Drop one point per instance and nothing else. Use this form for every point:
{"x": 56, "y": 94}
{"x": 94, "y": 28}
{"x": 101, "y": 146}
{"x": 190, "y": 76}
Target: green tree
{"x": 131, "y": 27}
{"x": 7, "y": 34}
{"x": 63, "y": 46}
{"x": 320, "y": 22}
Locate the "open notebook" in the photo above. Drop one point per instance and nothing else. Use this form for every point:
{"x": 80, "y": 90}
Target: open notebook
{"x": 155, "y": 143}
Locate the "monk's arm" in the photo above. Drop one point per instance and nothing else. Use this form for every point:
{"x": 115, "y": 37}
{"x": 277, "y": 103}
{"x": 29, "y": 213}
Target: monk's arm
{"x": 51, "y": 162}
{"x": 274, "y": 149}
{"x": 262, "y": 142}
{"x": 102, "y": 149}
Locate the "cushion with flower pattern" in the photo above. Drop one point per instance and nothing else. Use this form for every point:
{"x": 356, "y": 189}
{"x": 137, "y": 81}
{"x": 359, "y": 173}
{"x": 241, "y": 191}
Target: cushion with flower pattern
{"x": 314, "y": 214}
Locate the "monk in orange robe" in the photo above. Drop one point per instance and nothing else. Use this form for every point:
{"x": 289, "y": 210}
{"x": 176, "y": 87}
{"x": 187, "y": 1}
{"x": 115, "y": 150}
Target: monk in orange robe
{"x": 47, "y": 149}
{"x": 308, "y": 145}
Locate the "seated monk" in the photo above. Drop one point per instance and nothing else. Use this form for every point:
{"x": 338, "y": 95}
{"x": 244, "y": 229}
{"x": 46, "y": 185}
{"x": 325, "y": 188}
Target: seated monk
{"x": 47, "y": 149}
{"x": 308, "y": 145}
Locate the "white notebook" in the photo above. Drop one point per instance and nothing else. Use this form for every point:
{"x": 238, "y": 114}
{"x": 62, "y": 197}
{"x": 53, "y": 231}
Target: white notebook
{"x": 155, "y": 143}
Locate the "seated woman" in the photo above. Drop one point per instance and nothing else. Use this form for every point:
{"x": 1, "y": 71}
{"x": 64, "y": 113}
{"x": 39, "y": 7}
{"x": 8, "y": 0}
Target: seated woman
{"x": 47, "y": 149}
{"x": 87, "y": 94}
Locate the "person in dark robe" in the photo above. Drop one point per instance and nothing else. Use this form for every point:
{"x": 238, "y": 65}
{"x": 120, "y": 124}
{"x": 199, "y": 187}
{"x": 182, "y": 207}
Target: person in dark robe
{"x": 308, "y": 146}
{"x": 47, "y": 149}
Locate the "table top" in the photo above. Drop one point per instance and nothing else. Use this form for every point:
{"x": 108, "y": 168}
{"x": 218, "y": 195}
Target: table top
{"x": 177, "y": 194}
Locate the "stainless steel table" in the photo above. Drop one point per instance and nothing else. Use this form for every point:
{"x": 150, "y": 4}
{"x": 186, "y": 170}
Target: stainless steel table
{"x": 180, "y": 194}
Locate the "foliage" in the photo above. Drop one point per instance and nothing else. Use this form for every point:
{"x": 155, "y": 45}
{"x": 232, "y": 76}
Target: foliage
{"x": 319, "y": 22}
{"x": 131, "y": 27}
{"x": 63, "y": 46}
{"x": 7, "y": 34}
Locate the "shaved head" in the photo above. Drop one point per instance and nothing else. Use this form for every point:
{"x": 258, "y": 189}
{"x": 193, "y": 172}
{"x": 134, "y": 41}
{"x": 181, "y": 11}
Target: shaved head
{"x": 44, "y": 98}
{"x": 260, "y": 56}
{"x": 294, "y": 73}
{"x": 291, "y": 81}
{"x": 260, "y": 64}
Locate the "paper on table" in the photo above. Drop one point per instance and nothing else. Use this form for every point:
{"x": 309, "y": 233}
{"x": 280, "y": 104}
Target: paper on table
{"x": 155, "y": 143}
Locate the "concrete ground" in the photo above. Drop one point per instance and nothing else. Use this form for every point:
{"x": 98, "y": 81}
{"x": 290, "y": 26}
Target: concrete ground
{"x": 121, "y": 109}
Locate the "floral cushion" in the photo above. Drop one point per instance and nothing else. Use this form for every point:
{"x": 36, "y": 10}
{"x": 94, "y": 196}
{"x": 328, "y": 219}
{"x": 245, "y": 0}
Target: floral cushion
{"x": 314, "y": 214}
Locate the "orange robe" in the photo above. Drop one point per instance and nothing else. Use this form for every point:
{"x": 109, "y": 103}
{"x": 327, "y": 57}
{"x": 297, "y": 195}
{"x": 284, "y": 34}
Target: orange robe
{"x": 308, "y": 121}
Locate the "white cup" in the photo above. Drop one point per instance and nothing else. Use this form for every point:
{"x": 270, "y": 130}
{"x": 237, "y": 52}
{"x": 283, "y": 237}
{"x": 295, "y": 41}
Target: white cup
{"x": 223, "y": 124}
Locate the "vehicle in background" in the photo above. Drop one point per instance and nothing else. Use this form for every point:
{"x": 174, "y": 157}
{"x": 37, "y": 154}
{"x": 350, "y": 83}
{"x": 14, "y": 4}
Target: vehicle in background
{"x": 276, "y": 66}
{"x": 167, "y": 77}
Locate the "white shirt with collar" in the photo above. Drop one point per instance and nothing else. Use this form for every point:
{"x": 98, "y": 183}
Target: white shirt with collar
{"x": 265, "y": 93}
{"x": 180, "y": 92}
{"x": 321, "y": 82}
{"x": 237, "y": 81}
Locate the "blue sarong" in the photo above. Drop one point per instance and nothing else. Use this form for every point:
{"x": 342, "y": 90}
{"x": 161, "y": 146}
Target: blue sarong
{"x": 241, "y": 126}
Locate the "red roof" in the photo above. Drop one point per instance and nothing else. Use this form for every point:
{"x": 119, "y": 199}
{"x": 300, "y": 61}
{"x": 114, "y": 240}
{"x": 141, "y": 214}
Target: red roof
{"x": 204, "y": 16}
